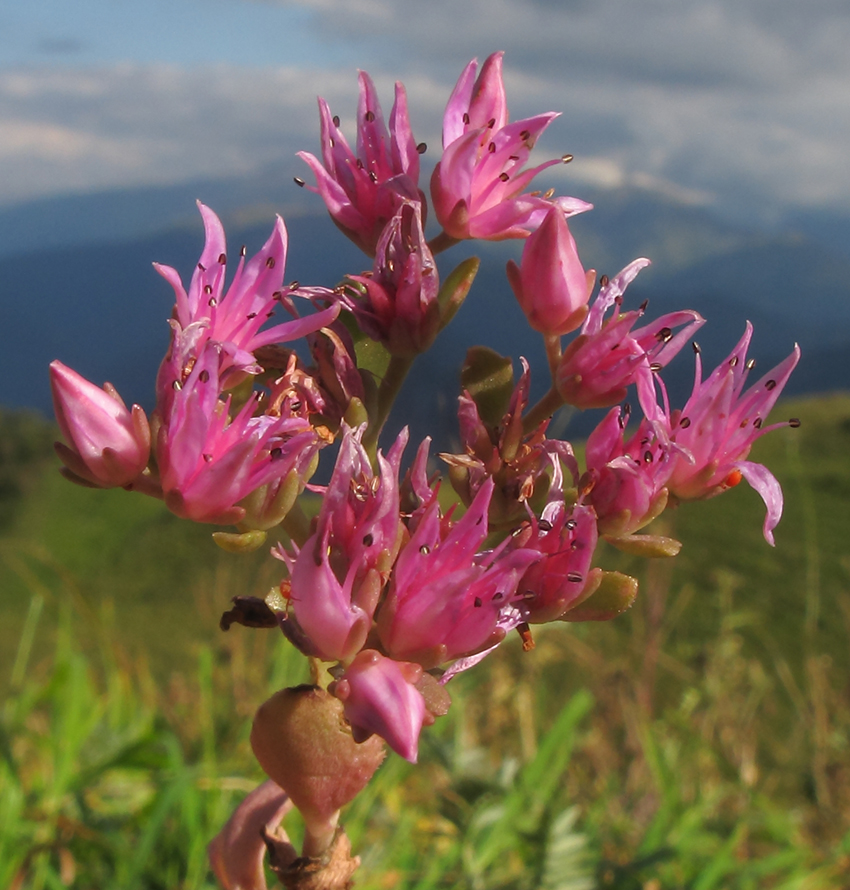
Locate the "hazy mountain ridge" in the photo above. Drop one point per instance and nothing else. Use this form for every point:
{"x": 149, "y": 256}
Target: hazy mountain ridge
{"x": 102, "y": 309}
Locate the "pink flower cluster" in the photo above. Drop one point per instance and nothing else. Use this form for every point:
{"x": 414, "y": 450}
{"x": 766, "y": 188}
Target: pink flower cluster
{"x": 392, "y": 584}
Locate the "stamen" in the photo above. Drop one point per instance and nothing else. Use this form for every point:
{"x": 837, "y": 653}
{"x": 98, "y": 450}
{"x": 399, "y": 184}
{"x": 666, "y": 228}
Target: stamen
{"x": 368, "y": 540}
{"x": 466, "y": 118}
{"x": 566, "y": 158}
{"x": 575, "y": 577}
{"x": 794, "y": 422}
{"x": 222, "y": 258}
{"x": 370, "y": 116}
{"x": 421, "y": 148}
{"x": 504, "y": 177}
{"x": 299, "y": 181}
{"x": 695, "y": 347}
{"x": 336, "y": 120}
{"x": 684, "y": 423}
{"x": 603, "y": 281}
{"x": 270, "y": 261}
{"x": 204, "y": 376}
{"x": 424, "y": 549}
{"x": 771, "y": 384}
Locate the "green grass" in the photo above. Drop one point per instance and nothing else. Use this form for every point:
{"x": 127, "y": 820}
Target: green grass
{"x": 700, "y": 741}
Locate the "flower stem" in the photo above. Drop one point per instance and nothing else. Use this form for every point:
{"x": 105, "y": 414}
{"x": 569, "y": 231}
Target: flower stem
{"x": 543, "y": 410}
{"x": 387, "y": 393}
{"x": 553, "y": 354}
{"x": 442, "y": 242}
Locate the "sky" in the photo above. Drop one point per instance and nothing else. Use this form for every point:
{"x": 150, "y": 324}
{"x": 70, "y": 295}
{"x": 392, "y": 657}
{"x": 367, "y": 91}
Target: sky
{"x": 740, "y": 105}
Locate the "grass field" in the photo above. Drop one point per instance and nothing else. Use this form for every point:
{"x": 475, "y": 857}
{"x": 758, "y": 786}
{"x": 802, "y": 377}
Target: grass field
{"x": 700, "y": 741}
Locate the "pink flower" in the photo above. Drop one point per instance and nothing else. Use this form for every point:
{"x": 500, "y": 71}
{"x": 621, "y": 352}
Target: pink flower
{"x": 625, "y": 482}
{"x": 379, "y": 696}
{"x": 397, "y": 303}
{"x": 518, "y": 463}
{"x": 208, "y": 461}
{"x": 566, "y": 538}
{"x": 445, "y": 598}
{"x": 478, "y": 186}
{"x": 718, "y": 425}
{"x": 339, "y": 573}
{"x": 608, "y": 356}
{"x": 362, "y": 192}
{"x": 551, "y": 285}
{"x": 107, "y": 445}
{"x": 232, "y": 319}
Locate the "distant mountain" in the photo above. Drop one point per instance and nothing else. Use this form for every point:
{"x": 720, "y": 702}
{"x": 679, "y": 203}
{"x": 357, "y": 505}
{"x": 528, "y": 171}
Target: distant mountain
{"x": 86, "y": 293}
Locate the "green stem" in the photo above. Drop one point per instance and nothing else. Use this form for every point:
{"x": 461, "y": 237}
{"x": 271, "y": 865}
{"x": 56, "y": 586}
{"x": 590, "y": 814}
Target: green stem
{"x": 543, "y": 410}
{"x": 553, "y": 354}
{"x": 387, "y": 392}
{"x": 442, "y": 242}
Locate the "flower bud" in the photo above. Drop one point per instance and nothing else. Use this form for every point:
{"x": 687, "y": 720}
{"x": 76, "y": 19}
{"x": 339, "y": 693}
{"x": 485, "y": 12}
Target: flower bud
{"x": 551, "y": 285}
{"x": 107, "y": 445}
{"x": 303, "y": 742}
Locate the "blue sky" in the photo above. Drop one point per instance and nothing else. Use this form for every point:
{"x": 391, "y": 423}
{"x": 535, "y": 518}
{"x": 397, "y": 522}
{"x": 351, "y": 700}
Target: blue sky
{"x": 739, "y": 104}
{"x": 183, "y": 32}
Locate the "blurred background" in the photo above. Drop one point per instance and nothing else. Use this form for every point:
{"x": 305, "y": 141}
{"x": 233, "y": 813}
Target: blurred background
{"x": 704, "y": 738}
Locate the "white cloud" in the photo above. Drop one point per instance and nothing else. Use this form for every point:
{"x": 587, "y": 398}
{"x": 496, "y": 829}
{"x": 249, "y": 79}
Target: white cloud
{"x": 740, "y": 101}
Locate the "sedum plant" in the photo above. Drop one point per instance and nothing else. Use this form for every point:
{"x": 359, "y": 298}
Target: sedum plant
{"x": 388, "y": 594}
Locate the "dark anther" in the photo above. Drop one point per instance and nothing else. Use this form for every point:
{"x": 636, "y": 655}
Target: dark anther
{"x": 733, "y": 362}
{"x": 643, "y": 306}
{"x": 665, "y": 335}
{"x": 492, "y": 148}
{"x": 574, "y": 577}
{"x": 491, "y": 123}
{"x": 770, "y": 384}
{"x": 370, "y": 116}
{"x": 212, "y": 302}
{"x": 794, "y": 422}
{"x": 498, "y": 596}
{"x": 299, "y": 182}
{"x": 296, "y": 406}
{"x": 204, "y": 376}
{"x": 684, "y": 423}
{"x": 504, "y": 177}
{"x": 567, "y": 158}
{"x": 373, "y": 176}
{"x": 746, "y": 420}
{"x": 421, "y": 148}
{"x": 368, "y": 540}
{"x": 177, "y": 386}
{"x": 465, "y": 118}
{"x": 207, "y": 289}
{"x": 208, "y": 458}
{"x": 270, "y": 262}
{"x": 544, "y": 525}
{"x": 603, "y": 281}
{"x": 513, "y": 157}
{"x": 251, "y": 315}
{"x": 332, "y": 142}
{"x": 294, "y": 285}
{"x": 570, "y": 524}
{"x": 276, "y": 453}
{"x": 750, "y": 364}
{"x": 655, "y": 367}
{"x": 243, "y": 250}
{"x": 202, "y": 267}
{"x": 336, "y": 120}
{"x": 525, "y": 134}
{"x": 477, "y": 602}
{"x": 647, "y": 456}
{"x": 222, "y": 258}
{"x": 627, "y": 409}
{"x": 424, "y": 549}
{"x": 757, "y": 423}
{"x": 359, "y": 164}
{"x": 695, "y": 347}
